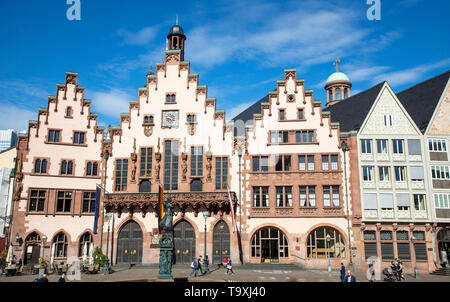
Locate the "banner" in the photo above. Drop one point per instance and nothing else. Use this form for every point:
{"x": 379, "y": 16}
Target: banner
{"x": 98, "y": 191}
{"x": 160, "y": 207}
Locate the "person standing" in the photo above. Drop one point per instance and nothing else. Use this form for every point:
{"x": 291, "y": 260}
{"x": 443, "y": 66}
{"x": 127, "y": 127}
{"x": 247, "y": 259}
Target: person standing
{"x": 200, "y": 265}
{"x": 372, "y": 271}
{"x": 229, "y": 267}
{"x": 194, "y": 266}
{"x": 349, "y": 277}
{"x": 62, "y": 278}
{"x": 43, "y": 278}
{"x": 342, "y": 271}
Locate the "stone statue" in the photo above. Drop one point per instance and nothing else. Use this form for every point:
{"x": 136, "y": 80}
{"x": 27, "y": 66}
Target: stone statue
{"x": 166, "y": 244}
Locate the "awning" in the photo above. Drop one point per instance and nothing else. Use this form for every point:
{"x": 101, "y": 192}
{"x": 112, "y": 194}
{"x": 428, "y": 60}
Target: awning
{"x": 403, "y": 200}
{"x": 386, "y": 201}
{"x": 370, "y": 201}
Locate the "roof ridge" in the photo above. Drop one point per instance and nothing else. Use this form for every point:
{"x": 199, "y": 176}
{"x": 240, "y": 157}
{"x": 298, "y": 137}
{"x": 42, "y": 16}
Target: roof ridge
{"x": 425, "y": 81}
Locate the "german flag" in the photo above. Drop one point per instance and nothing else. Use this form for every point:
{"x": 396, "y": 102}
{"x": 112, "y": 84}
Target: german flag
{"x": 160, "y": 207}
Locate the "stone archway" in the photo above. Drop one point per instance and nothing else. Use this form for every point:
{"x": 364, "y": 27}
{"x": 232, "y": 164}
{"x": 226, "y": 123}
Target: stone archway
{"x": 221, "y": 242}
{"x": 184, "y": 237}
{"x": 129, "y": 244}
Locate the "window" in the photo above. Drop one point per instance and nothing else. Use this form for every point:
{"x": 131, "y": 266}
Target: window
{"x": 192, "y": 118}
{"x": 260, "y": 163}
{"x": 40, "y": 166}
{"x": 307, "y": 196}
{"x": 170, "y": 98}
{"x": 414, "y": 147}
{"x": 78, "y": 138}
{"x": 387, "y": 246}
{"x": 367, "y": 173}
{"x": 345, "y": 93}
{"x": 337, "y": 93}
{"x": 370, "y": 244}
{"x": 301, "y": 163}
{"x": 148, "y": 120}
{"x": 384, "y": 173}
{"x": 419, "y": 202}
{"x": 279, "y": 137}
{"x": 260, "y": 196}
{"x": 121, "y": 175}
{"x": 397, "y": 146}
{"x": 60, "y": 245}
{"x": 88, "y": 202}
{"x": 196, "y": 161}
{"x": 69, "y": 112}
{"x": 284, "y": 196}
{"x": 221, "y": 173}
{"x": 437, "y": 145}
{"x": 145, "y": 166}
{"x": 325, "y": 159}
{"x": 300, "y": 114}
{"x": 171, "y": 165}
{"x": 92, "y": 168}
{"x": 442, "y": 201}
{"x": 366, "y": 146}
{"x": 53, "y": 136}
{"x": 66, "y": 167}
{"x": 416, "y": 173}
{"x": 270, "y": 237}
{"x": 37, "y": 201}
{"x": 382, "y": 146}
{"x": 403, "y": 250}
{"x": 64, "y": 201}
{"x": 403, "y": 201}
{"x": 318, "y": 247}
{"x": 282, "y": 163}
{"x": 400, "y": 173}
{"x": 282, "y": 115}
{"x": 440, "y": 172}
{"x": 304, "y": 136}
{"x": 310, "y": 162}
{"x": 331, "y": 195}
{"x": 85, "y": 243}
{"x": 388, "y": 120}
{"x": 420, "y": 248}
{"x": 334, "y": 162}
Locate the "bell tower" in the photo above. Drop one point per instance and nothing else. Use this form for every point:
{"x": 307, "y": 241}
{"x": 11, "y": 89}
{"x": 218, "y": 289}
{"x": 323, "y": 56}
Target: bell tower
{"x": 338, "y": 86}
{"x": 176, "y": 38}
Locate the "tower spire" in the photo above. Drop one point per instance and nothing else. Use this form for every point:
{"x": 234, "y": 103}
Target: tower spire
{"x": 176, "y": 21}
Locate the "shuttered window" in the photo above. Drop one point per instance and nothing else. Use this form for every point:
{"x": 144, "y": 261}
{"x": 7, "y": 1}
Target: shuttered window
{"x": 370, "y": 249}
{"x": 387, "y": 251}
{"x": 421, "y": 251}
{"x": 403, "y": 251}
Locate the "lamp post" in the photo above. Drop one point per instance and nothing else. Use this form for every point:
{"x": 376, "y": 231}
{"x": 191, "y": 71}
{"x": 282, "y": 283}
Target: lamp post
{"x": 105, "y": 156}
{"x": 205, "y": 265}
{"x": 345, "y": 149}
{"x": 240, "y": 209}
{"x": 106, "y": 263}
{"x": 328, "y": 253}
{"x": 44, "y": 240}
{"x": 413, "y": 239}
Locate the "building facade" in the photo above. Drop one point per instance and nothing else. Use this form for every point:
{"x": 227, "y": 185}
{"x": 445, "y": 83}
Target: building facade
{"x": 8, "y": 139}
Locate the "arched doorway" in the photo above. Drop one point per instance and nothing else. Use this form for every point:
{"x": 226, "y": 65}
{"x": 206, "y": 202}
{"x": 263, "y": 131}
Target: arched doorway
{"x": 270, "y": 244}
{"x": 443, "y": 238}
{"x": 221, "y": 242}
{"x": 318, "y": 246}
{"x": 184, "y": 242}
{"x": 129, "y": 244}
{"x": 32, "y": 249}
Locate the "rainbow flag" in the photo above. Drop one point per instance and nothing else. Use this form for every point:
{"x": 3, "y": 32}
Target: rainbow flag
{"x": 160, "y": 207}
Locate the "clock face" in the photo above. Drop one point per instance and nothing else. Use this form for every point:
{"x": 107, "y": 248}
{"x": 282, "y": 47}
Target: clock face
{"x": 170, "y": 119}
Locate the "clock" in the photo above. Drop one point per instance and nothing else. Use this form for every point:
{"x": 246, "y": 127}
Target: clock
{"x": 170, "y": 118}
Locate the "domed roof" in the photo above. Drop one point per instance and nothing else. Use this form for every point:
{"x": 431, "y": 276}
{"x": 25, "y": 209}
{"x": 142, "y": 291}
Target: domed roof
{"x": 338, "y": 76}
{"x": 176, "y": 30}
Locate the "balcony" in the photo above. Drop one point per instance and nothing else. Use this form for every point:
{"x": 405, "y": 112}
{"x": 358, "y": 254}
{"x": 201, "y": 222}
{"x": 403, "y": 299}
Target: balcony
{"x": 182, "y": 201}
{"x": 403, "y": 214}
{"x": 370, "y": 214}
{"x": 387, "y": 213}
{"x": 420, "y": 214}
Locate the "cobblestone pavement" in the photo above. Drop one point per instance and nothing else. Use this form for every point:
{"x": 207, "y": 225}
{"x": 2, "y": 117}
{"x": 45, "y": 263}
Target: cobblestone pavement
{"x": 243, "y": 274}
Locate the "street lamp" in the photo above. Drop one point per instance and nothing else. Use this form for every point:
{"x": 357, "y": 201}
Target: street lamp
{"x": 345, "y": 149}
{"x": 328, "y": 253}
{"x": 413, "y": 239}
{"x": 106, "y": 263}
{"x": 205, "y": 265}
{"x": 105, "y": 156}
{"x": 44, "y": 240}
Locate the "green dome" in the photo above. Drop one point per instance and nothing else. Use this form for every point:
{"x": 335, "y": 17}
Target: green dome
{"x": 338, "y": 76}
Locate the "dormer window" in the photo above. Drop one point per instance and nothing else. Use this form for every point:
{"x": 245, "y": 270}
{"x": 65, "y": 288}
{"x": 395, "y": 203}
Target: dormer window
{"x": 69, "y": 112}
{"x": 191, "y": 118}
{"x": 170, "y": 98}
{"x": 148, "y": 120}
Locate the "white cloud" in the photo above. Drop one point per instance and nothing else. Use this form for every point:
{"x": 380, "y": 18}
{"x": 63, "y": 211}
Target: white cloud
{"x": 23, "y": 88}
{"x": 13, "y": 117}
{"x": 140, "y": 37}
{"x": 234, "y": 111}
{"x": 111, "y": 103}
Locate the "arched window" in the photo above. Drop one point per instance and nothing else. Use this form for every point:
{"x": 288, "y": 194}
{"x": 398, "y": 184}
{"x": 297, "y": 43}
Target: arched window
{"x": 146, "y": 119}
{"x": 37, "y": 166}
{"x": 269, "y": 244}
{"x": 44, "y": 166}
{"x": 337, "y": 92}
{"x": 144, "y": 186}
{"x": 173, "y": 98}
{"x": 94, "y": 169}
{"x": 89, "y": 168}
{"x": 345, "y": 93}
{"x": 33, "y": 237}
{"x": 60, "y": 245}
{"x": 69, "y": 167}
{"x": 319, "y": 247}
{"x": 151, "y": 119}
{"x": 84, "y": 244}
{"x": 64, "y": 167}
{"x": 168, "y": 98}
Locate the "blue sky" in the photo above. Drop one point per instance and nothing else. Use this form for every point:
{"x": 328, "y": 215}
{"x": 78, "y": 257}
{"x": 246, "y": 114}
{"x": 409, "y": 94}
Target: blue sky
{"x": 239, "y": 48}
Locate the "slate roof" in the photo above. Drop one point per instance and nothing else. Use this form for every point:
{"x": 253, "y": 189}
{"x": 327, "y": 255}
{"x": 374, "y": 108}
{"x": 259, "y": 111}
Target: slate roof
{"x": 351, "y": 112}
{"x": 421, "y": 100}
{"x": 247, "y": 114}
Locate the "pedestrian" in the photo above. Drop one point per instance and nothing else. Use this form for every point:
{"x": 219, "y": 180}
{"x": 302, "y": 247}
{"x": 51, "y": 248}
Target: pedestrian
{"x": 229, "y": 267}
{"x": 224, "y": 262}
{"x": 349, "y": 277}
{"x": 2, "y": 265}
{"x": 400, "y": 271}
{"x": 342, "y": 271}
{"x": 62, "y": 278}
{"x": 372, "y": 271}
{"x": 200, "y": 265}
{"x": 194, "y": 266}
{"x": 43, "y": 278}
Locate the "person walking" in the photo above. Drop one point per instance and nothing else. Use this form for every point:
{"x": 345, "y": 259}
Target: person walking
{"x": 372, "y": 271}
{"x": 229, "y": 267}
{"x": 194, "y": 266}
{"x": 2, "y": 265}
{"x": 62, "y": 278}
{"x": 200, "y": 265}
{"x": 400, "y": 268}
{"x": 342, "y": 271}
{"x": 349, "y": 277}
{"x": 43, "y": 278}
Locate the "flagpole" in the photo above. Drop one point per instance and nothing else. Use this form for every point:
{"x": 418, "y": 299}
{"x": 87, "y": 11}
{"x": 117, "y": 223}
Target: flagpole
{"x": 106, "y": 156}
